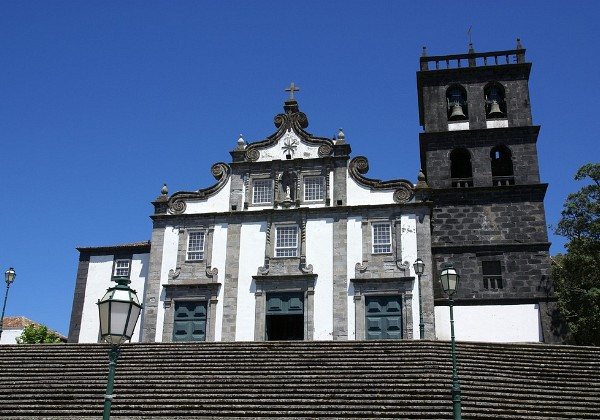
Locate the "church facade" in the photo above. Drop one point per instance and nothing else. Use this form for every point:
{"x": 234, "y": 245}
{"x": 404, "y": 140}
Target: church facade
{"x": 295, "y": 242}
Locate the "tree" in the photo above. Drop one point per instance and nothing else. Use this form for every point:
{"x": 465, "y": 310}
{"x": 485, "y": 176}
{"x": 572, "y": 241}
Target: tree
{"x": 577, "y": 273}
{"x": 37, "y": 334}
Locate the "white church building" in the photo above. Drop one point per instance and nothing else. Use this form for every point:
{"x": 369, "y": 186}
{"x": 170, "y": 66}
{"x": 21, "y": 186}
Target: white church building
{"x": 295, "y": 242}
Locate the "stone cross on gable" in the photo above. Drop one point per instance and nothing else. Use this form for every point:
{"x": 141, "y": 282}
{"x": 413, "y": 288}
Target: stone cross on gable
{"x": 292, "y": 89}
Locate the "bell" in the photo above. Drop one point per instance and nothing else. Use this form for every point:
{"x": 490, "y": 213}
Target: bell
{"x": 495, "y": 111}
{"x": 457, "y": 112}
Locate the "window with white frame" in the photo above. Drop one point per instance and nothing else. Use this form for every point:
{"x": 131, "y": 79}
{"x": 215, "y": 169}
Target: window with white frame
{"x": 122, "y": 268}
{"x": 382, "y": 238}
{"x": 286, "y": 241}
{"x": 195, "y": 248}
{"x": 262, "y": 191}
{"x": 313, "y": 188}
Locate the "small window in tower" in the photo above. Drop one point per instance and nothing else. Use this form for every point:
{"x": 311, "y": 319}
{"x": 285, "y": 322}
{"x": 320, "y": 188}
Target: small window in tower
{"x": 461, "y": 171}
{"x": 382, "y": 238}
{"x": 492, "y": 275}
{"x": 502, "y": 167}
{"x": 195, "y": 249}
{"x": 495, "y": 104}
{"x": 456, "y": 99}
{"x": 262, "y": 191}
{"x": 313, "y": 188}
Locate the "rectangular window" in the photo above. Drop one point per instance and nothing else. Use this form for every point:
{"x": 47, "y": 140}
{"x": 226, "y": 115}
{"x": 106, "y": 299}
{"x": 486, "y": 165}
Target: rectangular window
{"x": 286, "y": 242}
{"x": 313, "y": 188}
{"x": 195, "y": 249}
{"x": 492, "y": 274}
{"x": 262, "y": 191}
{"x": 122, "y": 268}
{"x": 382, "y": 238}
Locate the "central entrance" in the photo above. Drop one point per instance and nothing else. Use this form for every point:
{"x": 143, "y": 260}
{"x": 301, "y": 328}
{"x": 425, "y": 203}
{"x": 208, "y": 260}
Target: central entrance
{"x": 284, "y": 316}
{"x": 383, "y": 317}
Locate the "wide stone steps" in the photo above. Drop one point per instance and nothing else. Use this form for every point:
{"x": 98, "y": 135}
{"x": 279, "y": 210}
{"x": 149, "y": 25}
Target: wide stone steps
{"x": 301, "y": 380}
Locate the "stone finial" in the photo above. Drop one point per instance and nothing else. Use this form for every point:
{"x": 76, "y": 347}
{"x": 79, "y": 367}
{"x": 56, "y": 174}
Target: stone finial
{"x": 163, "y": 193}
{"x": 519, "y": 46}
{"x": 424, "y": 53}
{"x": 241, "y": 144}
{"x": 421, "y": 180}
{"x": 341, "y": 137}
{"x": 471, "y": 49}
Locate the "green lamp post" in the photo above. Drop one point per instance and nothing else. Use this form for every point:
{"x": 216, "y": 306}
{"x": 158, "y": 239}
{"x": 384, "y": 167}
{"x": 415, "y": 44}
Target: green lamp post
{"x": 449, "y": 278}
{"x": 119, "y": 311}
{"x": 419, "y": 267}
{"x": 9, "y": 277}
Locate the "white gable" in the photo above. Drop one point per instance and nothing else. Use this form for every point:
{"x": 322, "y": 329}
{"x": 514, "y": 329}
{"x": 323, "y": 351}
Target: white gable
{"x": 289, "y": 144}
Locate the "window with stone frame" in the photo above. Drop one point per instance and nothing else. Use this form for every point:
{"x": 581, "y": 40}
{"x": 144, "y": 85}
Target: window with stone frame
{"x": 314, "y": 188}
{"x": 286, "y": 241}
{"x": 492, "y": 275}
{"x": 262, "y": 191}
{"x": 382, "y": 238}
{"x": 122, "y": 267}
{"x": 195, "y": 245}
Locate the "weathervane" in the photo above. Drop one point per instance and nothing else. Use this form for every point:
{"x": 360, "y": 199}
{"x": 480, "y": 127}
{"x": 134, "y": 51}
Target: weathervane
{"x": 292, "y": 89}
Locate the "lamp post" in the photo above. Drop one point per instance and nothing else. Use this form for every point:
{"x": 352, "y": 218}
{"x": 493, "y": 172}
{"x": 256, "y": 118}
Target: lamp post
{"x": 119, "y": 311}
{"x": 449, "y": 278}
{"x": 9, "y": 277}
{"x": 419, "y": 267}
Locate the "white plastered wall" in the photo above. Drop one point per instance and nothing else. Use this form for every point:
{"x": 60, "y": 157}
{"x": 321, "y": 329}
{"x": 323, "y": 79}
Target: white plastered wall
{"x": 490, "y": 323}
{"x": 219, "y": 254}
{"x": 358, "y": 195}
{"x": 169, "y": 262}
{"x": 98, "y": 281}
{"x": 213, "y": 204}
{"x": 408, "y": 225}
{"x": 299, "y": 149}
{"x": 319, "y": 253}
{"x": 252, "y": 255}
{"x": 354, "y": 246}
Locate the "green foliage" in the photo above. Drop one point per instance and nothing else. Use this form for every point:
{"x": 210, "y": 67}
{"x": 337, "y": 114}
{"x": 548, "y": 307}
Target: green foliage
{"x": 37, "y": 334}
{"x": 577, "y": 273}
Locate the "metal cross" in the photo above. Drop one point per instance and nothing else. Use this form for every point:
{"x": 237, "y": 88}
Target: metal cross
{"x": 292, "y": 89}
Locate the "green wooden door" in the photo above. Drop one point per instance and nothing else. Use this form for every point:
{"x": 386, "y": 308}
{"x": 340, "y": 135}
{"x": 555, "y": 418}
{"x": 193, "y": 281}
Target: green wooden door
{"x": 284, "y": 316}
{"x": 190, "y": 321}
{"x": 383, "y": 317}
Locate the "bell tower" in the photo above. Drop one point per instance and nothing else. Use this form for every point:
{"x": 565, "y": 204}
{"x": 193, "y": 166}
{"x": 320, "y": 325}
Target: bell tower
{"x": 478, "y": 152}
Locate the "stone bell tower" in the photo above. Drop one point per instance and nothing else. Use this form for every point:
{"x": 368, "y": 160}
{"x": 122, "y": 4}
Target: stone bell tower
{"x": 478, "y": 152}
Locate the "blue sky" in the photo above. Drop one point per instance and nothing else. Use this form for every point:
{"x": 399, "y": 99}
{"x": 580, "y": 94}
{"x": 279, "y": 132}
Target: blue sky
{"x": 103, "y": 102}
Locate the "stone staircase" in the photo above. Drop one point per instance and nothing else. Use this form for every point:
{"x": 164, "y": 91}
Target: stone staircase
{"x": 301, "y": 380}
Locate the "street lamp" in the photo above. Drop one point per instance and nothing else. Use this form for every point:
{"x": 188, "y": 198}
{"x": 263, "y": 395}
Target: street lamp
{"x": 419, "y": 267}
{"x": 119, "y": 310}
{"x": 9, "y": 277}
{"x": 449, "y": 278}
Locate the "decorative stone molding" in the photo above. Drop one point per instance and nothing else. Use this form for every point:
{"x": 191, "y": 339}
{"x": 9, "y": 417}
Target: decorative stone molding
{"x": 221, "y": 171}
{"x": 404, "y": 189}
{"x": 292, "y": 120}
{"x": 361, "y": 267}
{"x": 306, "y": 269}
{"x": 211, "y": 272}
{"x": 173, "y": 274}
{"x": 264, "y": 270}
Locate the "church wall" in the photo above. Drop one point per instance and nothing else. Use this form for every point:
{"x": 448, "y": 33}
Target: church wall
{"x": 251, "y": 256}
{"x": 219, "y": 261}
{"x": 491, "y": 323}
{"x": 216, "y": 203}
{"x": 169, "y": 262}
{"x": 354, "y": 241}
{"x": 99, "y": 279}
{"x": 358, "y": 195}
{"x": 320, "y": 254}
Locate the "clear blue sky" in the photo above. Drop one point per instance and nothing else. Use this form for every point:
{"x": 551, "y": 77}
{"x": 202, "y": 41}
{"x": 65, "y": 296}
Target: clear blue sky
{"x": 101, "y": 102}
